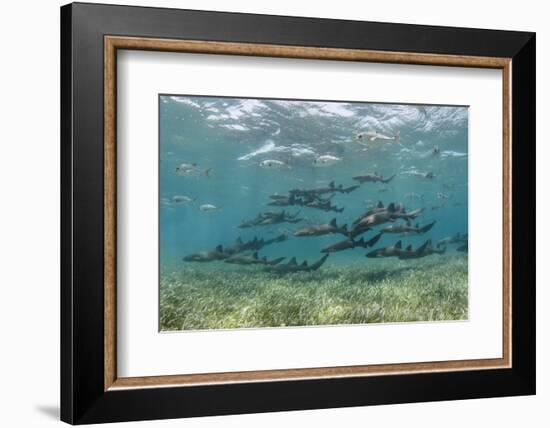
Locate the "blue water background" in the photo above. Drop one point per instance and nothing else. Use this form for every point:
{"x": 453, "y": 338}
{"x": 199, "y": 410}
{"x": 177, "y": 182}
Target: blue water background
{"x": 232, "y": 136}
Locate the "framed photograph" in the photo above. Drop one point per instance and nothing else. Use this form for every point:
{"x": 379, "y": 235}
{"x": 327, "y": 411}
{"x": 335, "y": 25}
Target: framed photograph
{"x": 266, "y": 213}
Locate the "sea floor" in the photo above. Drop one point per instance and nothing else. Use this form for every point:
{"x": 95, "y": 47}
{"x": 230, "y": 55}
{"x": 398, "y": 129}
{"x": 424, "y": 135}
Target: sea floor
{"x": 215, "y": 296}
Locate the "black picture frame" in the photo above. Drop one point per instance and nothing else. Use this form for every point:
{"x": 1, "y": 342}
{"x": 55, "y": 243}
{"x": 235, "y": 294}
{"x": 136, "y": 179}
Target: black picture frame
{"x": 83, "y": 398}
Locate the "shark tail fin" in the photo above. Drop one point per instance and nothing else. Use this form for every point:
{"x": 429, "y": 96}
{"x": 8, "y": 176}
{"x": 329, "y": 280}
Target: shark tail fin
{"x": 424, "y": 229}
{"x": 207, "y": 172}
{"x": 331, "y": 185}
{"x": 391, "y": 207}
{"x": 387, "y": 180}
{"x": 304, "y": 263}
{"x": 373, "y": 240}
{"x": 333, "y": 222}
{"x": 380, "y": 204}
{"x": 319, "y": 262}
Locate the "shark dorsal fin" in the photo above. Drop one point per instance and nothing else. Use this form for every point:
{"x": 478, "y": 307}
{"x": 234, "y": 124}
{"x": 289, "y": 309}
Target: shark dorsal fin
{"x": 425, "y": 245}
{"x": 398, "y": 244}
{"x": 219, "y": 248}
{"x": 380, "y": 204}
{"x": 391, "y": 207}
{"x": 333, "y": 222}
{"x": 409, "y": 248}
{"x": 292, "y": 261}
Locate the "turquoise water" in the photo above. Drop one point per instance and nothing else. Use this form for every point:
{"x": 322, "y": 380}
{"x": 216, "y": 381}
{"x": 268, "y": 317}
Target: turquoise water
{"x": 229, "y": 139}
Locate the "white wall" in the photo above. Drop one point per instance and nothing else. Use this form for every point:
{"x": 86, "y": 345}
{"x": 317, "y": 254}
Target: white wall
{"x": 29, "y": 231}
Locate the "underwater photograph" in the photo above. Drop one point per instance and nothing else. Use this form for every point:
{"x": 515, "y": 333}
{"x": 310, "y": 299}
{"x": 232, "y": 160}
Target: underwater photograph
{"x": 294, "y": 213}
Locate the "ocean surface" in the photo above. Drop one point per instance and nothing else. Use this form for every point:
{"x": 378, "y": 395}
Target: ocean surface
{"x": 222, "y": 160}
